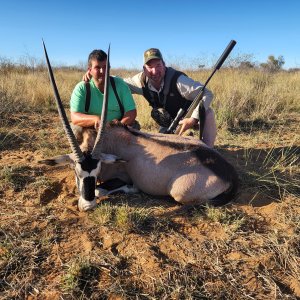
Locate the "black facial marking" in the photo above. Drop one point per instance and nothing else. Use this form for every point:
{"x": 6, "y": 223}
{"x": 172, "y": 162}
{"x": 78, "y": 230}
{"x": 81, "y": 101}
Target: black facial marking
{"x": 49, "y": 162}
{"x": 88, "y": 188}
{"x": 89, "y": 163}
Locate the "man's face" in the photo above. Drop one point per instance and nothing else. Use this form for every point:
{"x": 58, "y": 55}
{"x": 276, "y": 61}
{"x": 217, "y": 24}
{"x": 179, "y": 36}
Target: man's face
{"x": 155, "y": 70}
{"x": 97, "y": 70}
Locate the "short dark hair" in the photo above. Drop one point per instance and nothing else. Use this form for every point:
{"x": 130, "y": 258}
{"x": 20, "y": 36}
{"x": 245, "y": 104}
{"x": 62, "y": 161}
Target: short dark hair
{"x": 98, "y": 55}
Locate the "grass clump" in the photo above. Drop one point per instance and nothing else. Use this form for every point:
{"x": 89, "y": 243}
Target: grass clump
{"x": 15, "y": 177}
{"x": 231, "y": 220}
{"x": 278, "y": 172}
{"x": 123, "y": 217}
{"x": 72, "y": 275}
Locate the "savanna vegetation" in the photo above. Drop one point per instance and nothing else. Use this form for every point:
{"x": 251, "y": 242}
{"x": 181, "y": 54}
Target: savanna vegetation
{"x": 138, "y": 246}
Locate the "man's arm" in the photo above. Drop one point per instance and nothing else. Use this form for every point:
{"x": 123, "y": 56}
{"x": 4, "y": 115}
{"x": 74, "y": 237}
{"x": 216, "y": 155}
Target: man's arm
{"x": 189, "y": 89}
{"x": 85, "y": 120}
{"x": 129, "y": 117}
{"x": 134, "y": 83}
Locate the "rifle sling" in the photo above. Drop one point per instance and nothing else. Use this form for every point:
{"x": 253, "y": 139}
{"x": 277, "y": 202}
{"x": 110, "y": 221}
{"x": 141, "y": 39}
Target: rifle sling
{"x": 87, "y": 96}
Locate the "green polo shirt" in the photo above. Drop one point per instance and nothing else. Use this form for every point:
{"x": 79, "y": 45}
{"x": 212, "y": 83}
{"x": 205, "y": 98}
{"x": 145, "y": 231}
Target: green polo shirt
{"x": 77, "y": 102}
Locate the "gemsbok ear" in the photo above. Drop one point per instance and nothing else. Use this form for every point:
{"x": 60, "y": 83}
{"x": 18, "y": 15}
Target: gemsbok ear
{"x": 58, "y": 160}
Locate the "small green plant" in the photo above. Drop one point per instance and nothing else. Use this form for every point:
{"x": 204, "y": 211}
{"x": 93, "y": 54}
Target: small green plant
{"x": 5, "y": 251}
{"x": 228, "y": 218}
{"x": 41, "y": 183}
{"x": 216, "y": 214}
{"x": 132, "y": 218}
{"x": 72, "y": 274}
{"x": 103, "y": 214}
{"x": 15, "y": 177}
{"x": 124, "y": 217}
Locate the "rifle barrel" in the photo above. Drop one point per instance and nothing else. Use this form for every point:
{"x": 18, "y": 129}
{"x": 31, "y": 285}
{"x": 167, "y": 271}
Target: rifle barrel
{"x": 225, "y": 54}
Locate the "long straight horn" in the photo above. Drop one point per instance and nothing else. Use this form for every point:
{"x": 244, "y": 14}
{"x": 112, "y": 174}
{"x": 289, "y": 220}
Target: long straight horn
{"x": 99, "y": 139}
{"x": 70, "y": 135}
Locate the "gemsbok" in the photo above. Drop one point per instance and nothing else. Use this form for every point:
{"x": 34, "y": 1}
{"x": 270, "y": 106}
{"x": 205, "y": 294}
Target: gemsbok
{"x": 158, "y": 164}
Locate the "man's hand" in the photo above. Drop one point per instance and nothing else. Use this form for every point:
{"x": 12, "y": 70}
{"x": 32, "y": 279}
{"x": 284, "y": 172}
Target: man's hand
{"x": 129, "y": 117}
{"x": 186, "y": 124}
{"x": 87, "y": 76}
{"x": 97, "y": 122}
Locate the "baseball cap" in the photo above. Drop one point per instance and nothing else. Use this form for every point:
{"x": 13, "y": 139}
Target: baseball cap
{"x": 152, "y": 53}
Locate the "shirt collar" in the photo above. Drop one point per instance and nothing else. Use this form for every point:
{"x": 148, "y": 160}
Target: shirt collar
{"x": 152, "y": 88}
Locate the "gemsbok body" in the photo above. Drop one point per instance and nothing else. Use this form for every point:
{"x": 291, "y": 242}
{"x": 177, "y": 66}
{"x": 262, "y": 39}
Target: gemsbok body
{"x": 158, "y": 164}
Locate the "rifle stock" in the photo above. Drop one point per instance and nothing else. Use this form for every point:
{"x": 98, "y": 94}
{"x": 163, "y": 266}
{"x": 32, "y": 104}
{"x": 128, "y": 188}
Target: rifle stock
{"x": 174, "y": 127}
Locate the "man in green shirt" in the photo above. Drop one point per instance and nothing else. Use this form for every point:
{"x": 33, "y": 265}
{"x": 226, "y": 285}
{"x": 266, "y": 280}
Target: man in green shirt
{"x": 121, "y": 105}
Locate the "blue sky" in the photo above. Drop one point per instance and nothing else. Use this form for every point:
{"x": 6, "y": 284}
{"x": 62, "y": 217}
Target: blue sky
{"x": 186, "y": 30}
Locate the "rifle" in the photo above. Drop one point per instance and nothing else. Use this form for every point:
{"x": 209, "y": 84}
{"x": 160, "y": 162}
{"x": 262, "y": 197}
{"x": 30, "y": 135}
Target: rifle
{"x": 187, "y": 112}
